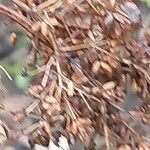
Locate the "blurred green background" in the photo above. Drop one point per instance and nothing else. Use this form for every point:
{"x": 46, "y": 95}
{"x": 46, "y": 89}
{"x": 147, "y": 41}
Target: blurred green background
{"x": 13, "y": 58}
{"x": 147, "y": 2}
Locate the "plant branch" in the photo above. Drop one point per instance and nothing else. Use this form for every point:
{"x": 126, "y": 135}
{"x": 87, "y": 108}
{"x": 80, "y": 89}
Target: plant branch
{"x": 21, "y": 20}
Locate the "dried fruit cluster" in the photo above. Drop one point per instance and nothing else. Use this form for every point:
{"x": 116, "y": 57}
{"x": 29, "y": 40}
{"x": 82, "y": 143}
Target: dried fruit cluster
{"x": 88, "y": 50}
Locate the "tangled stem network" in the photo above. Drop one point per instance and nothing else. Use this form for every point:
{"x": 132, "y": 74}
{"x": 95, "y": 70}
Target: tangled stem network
{"x": 89, "y": 53}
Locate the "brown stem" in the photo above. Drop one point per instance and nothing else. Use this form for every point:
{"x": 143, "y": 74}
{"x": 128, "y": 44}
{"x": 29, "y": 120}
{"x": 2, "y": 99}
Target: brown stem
{"x": 26, "y": 24}
{"x": 21, "y": 20}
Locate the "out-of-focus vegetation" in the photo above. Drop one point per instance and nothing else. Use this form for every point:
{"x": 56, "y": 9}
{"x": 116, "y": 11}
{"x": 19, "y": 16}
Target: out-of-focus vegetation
{"x": 15, "y": 57}
{"x": 147, "y": 2}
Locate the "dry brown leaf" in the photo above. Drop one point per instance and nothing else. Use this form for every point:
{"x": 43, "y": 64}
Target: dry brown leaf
{"x": 96, "y": 90}
{"x": 122, "y": 19}
{"x": 44, "y": 28}
{"x": 85, "y": 130}
{"x": 96, "y": 66}
{"x": 36, "y": 26}
{"x": 113, "y": 2}
{"x": 45, "y": 5}
{"x": 30, "y": 2}
{"x": 58, "y": 93}
{"x": 52, "y": 21}
{"x": 124, "y": 147}
{"x": 109, "y": 85}
{"x": 70, "y": 89}
{"x": 50, "y": 99}
{"x": 78, "y": 77}
{"x": 106, "y": 67}
{"x": 91, "y": 36}
{"x": 36, "y": 89}
{"x": 146, "y": 120}
{"x": 143, "y": 146}
{"x": 12, "y": 39}
{"x": 52, "y": 87}
{"x": 52, "y": 108}
{"x": 55, "y": 6}
{"x": 74, "y": 129}
{"x": 112, "y": 61}
{"x": 46, "y": 105}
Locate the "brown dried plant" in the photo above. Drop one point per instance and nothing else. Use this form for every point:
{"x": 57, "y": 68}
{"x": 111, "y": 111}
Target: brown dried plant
{"x": 91, "y": 63}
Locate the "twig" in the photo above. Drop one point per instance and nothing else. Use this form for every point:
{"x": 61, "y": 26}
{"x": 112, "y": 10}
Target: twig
{"x": 82, "y": 92}
{"x": 86, "y": 102}
{"x": 143, "y": 71}
{"x": 33, "y": 127}
{"x": 48, "y": 66}
{"x": 105, "y": 128}
{"x": 21, "y": 5}
{"x": 20, "y": 19}
{"x": 74, "y": 48}
{"x": 131, "y": 129}
{"x": 45, "y": 5}
{"x": 59, "y": 73}
{"x": 31, "y": 107}
{"x": 7, "y": 74}
{"x": 24, "y": 22}
{"x": 37, "y": 71}
{"x": 70, "y": 108}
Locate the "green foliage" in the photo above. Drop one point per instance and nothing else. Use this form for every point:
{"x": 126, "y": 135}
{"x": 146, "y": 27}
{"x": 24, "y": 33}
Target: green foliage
{"x": 14, "y": 63}
{"x": 147, "y": 2}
